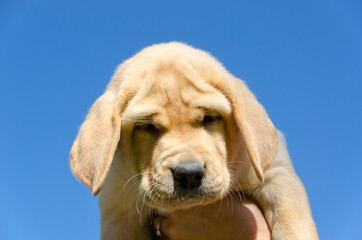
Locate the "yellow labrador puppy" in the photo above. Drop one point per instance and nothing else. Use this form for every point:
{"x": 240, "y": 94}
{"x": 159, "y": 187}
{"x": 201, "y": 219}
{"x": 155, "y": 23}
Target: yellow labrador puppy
{"x": 173, "y": 130}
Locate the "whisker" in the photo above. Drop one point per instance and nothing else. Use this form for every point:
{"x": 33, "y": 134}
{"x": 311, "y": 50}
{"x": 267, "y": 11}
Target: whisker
{"x": 221, "y": 203}
{"x": 134, "y": 177}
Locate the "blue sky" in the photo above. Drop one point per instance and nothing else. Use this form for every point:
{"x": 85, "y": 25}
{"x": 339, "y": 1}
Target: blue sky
{"x": 302, "y": 59}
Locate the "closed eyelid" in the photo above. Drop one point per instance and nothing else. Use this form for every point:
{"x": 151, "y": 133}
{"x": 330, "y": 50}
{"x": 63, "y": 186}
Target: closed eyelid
{"x": 139, "y": 122}
{"x": 213, "y": 113}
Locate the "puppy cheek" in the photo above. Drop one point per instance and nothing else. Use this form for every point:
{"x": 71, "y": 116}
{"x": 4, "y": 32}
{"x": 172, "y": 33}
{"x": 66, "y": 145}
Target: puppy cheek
{"x": 221, "y": 171}
{"x": 142, "y": 150}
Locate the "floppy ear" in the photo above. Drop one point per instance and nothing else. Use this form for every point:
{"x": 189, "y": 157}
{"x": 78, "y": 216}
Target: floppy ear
{"x": 93, "y": 149}
{"x": 257, "y": 130}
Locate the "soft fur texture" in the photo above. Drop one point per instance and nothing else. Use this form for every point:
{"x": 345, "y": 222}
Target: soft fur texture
{"x": 171, "y": 103}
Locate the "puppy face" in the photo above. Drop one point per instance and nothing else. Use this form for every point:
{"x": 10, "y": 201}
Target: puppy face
{"x": 178, "y": 132}
{"x": 175, "y": 117}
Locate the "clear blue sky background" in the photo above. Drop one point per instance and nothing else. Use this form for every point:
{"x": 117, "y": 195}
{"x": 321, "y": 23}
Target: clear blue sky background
{"x": 303, "y": 60}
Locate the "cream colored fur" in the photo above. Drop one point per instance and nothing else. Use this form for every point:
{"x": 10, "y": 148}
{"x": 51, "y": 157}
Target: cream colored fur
{"x": 152, "y": 117}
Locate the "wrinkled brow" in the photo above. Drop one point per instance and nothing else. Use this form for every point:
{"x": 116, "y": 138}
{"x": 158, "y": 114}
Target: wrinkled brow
{"x": 139, "y": 113}
{"x": 213, "y": 102}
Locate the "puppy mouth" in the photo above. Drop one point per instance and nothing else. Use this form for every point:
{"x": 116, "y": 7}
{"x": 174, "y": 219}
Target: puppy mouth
{"x": 180, "y": 199}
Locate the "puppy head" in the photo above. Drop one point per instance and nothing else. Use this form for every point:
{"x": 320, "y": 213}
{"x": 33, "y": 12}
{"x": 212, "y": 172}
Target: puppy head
{"x": 188, "y": 128}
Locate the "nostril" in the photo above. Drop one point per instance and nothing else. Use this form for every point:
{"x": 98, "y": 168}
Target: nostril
{"x": 178, "y": 173}
{"x": 200, "y": 175}
{"x": 188, "y": 175}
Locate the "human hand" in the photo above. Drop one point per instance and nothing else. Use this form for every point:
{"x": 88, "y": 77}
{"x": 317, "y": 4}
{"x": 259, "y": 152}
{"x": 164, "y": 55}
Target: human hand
{"x": 226, "y": 219}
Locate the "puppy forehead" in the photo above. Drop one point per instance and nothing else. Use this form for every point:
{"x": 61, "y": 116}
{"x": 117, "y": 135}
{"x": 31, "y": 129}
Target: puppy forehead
{"x": 177, "y": 96}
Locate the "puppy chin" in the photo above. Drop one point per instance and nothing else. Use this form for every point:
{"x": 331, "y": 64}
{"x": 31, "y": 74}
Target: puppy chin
{"x": 185, "y": 204}
{"x": 167, "y": 205}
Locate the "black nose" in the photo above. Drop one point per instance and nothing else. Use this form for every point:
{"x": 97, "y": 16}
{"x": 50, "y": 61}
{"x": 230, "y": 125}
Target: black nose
{"x": 188, "y": 175}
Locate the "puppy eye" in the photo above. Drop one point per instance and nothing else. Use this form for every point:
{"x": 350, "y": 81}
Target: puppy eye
{"x": 209, "y": 119}
{"x": 149, "y": 127}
